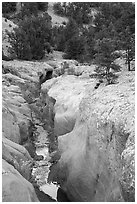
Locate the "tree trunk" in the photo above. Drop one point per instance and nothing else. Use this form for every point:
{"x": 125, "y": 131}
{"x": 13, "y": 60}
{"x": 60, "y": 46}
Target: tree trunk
{"x": 128, "y": 60}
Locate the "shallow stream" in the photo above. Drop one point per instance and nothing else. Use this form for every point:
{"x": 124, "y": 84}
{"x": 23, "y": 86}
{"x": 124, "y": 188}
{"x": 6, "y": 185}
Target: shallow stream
{"x": 41, "y": 168}
{"x": 41, "y": 141}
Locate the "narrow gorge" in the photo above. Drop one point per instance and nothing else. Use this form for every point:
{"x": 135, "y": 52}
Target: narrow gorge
{"x": 64, "y": 140}
{"x": 68, "y": 102}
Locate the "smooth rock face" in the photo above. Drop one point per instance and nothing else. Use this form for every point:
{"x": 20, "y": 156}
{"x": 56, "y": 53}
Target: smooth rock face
{"x": 68, "y": 92}
{"x": 17, "y": 156}
{"x": 14, "y": 187}
{"x": 97, "y": 156}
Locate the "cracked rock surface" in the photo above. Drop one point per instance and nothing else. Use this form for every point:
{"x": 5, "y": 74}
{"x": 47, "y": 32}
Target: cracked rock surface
{"x": 96, "y": 161}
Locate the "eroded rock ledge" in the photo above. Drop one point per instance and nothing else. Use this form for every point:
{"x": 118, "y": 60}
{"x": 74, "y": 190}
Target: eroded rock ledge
{"x": 96, "y": 161}
{"x": 21, "y": 90}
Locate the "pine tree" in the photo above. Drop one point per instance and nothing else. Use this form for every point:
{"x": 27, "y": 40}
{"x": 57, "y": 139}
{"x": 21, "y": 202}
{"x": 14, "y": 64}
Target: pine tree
{"x": 71, "y": 29}
{"x": 105, "y": 58}
{"x": 126, "y": 30}
{"x": 127, "y": 42}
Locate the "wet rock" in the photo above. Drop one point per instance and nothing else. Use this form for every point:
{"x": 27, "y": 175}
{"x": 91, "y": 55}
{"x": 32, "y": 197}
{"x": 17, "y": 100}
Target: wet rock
{"x": 15, "y": 188}
{"x": 97, "y": 157}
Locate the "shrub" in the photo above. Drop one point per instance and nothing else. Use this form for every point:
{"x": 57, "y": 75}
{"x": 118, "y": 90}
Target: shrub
{"x": 29, "y": 38}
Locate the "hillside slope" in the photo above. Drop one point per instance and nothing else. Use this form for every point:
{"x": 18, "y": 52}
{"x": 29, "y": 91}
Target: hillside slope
{"x": 56, "y": 20}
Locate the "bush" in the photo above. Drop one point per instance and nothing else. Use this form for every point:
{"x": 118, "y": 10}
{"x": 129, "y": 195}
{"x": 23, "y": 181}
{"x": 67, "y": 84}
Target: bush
{"x": 29, "y": 38}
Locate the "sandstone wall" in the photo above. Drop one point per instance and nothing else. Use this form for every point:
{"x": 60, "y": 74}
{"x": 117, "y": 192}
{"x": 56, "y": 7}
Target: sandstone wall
{"x": 21, "y": 101}
{"x": 96, "y": 155}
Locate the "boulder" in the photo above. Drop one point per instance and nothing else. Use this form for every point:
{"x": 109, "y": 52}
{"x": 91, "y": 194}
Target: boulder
{"x": 15, "y": 188}
{"x": 97, "y": 157}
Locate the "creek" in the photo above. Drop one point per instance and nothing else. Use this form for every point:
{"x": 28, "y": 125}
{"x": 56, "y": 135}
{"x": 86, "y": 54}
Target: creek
{"x": 42, "y": 140}
{"x": 41, "y": 168}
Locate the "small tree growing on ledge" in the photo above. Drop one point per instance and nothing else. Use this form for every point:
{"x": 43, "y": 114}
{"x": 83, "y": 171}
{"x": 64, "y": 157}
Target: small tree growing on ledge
{"x": 105, "y": 59}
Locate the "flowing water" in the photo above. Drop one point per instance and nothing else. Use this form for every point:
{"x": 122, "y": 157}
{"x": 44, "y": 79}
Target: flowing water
{"x": 41, "y": 168}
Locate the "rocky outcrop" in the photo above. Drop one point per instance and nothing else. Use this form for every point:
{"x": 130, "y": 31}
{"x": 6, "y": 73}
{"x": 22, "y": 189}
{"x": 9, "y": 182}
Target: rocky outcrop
{"x": 21, "y": 102}
{"x": 68, "y": 92}
{"x": 96, "y": 160}
{"x": 15, "y": 188}
{"x": 26, "y": 70}
{"x": 17, "y": 129}
{"x": 95, "y": 130}
{"x": 17, "y": 156}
